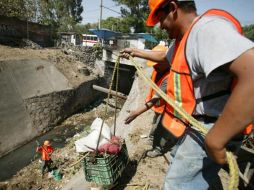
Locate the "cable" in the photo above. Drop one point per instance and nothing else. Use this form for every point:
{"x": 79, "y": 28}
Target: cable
{"x": 111, "y": 10}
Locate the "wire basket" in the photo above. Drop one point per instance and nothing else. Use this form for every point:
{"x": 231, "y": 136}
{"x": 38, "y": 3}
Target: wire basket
{"x": 105, "y": 169}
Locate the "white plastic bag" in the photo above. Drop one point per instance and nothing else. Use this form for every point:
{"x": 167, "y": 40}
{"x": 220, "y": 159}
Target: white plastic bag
{"x": 89, "y": 142}
{"x": 96, "y": 125}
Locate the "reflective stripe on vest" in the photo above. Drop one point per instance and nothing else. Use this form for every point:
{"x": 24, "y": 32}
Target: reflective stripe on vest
{"x": 180, "y": 84}
{"x": 160, "y": 107}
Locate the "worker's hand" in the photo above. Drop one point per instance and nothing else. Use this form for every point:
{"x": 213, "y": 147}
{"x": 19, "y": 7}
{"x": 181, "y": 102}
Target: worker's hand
{"x": 215, "y": 150}
{"x": 131, "y": 117}
{"x": 37, "y": 148}
{"x": 126, "y": 53}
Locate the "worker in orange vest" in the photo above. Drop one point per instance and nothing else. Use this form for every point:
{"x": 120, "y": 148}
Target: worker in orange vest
{"x": 210, "y": 52}
{"x": 46, "y": 150}
{"x": 160, "y": 139}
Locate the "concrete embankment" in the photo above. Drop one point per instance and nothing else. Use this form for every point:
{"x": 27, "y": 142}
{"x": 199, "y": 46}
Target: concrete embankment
{"x": 34, "y": 97}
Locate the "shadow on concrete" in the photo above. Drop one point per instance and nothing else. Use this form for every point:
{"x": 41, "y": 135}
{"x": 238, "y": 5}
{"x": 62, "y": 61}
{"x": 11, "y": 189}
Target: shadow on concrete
{"x": 127, "y": 175}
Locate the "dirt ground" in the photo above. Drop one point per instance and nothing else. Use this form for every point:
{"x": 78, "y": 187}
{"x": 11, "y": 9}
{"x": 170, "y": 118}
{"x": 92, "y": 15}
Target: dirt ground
{"x": 65, "y": 62}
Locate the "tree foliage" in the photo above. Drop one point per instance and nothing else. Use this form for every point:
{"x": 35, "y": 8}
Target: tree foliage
{"x": 61, "y": 14}
{"x": 82, "y": 29}
{"x": 134, "y": 13}
{"x": 159, "y": 34}
{"x": 249, "y": 31}
{"x": 22, "y": 9}
{"x": 76, "y": 10}
{"x": 116, "y": 24}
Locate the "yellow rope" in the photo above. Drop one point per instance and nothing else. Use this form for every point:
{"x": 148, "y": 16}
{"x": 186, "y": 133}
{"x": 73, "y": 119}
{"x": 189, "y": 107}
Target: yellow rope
{"x": 111, "y": 84}
{"x": 234, "y": 174}
{"x": 107, "y": 104}
{"x": 116, "y": 89}
{"x": 233, "y": 171}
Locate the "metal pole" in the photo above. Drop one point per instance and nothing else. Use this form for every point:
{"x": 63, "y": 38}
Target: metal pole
{"x": 35, "y": 4}
{"x": 100, "y": 15}
{"x": 27, "y": 30}
{"x": 113, "y": 93}
{"x": 27, "y": 16}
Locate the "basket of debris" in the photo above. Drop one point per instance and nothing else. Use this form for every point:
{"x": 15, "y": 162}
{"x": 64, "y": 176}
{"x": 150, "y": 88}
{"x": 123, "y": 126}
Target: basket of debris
{"x": 105, "y": 168}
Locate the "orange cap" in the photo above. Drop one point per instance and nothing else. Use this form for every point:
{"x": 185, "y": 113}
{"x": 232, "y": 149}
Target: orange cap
{"x": 154, "y": 5}
{"x": 159, "y": 47}
{"x": 46, "y": 143}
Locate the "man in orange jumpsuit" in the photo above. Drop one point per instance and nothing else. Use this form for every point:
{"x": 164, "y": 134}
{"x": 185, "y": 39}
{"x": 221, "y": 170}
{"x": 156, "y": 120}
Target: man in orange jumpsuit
{"x": 46, "y": 150}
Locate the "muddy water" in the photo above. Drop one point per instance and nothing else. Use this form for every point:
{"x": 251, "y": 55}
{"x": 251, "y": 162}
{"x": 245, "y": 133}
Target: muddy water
{"x": 21, "y": 157}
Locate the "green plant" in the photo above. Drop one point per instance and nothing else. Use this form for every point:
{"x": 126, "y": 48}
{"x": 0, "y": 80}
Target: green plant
{"x": 97, "y": 48}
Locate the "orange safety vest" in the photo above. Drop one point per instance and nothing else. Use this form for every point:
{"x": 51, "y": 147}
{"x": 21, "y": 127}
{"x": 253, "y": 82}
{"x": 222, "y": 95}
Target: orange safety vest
{"x": 45, "y": 151}
{"x": 160, "y": 106}
{"x": 180, "y": 84}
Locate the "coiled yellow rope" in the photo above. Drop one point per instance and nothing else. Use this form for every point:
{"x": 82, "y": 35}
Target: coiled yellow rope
{"x": 234, "y": 172}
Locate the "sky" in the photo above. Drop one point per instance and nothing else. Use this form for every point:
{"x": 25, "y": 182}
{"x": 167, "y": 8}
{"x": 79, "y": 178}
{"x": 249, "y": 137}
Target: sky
{"x": 91, "y": 11}
{"x": 243, "y": 10}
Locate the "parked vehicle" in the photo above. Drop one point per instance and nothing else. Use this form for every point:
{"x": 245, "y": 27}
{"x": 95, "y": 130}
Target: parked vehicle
{"x": 90, "y": 40}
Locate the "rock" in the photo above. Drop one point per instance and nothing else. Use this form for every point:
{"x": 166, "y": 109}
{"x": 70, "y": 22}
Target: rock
{"x": 3, "y": 185}
{"x": 84, "y": 71}
{"x": 26, "y": 43}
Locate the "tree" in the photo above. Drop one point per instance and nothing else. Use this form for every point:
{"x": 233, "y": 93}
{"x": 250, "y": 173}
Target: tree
{"x": 249, "y": 31}
{"x": 116, "y": 24}
{"x": 22, "y": 9}
{"x": 134, "y": 13}
{"x": 159, "y": 34}
{"x": 62, "y": 14}
{"x": 82, "y": 29}
{"x": 76, "y": 10}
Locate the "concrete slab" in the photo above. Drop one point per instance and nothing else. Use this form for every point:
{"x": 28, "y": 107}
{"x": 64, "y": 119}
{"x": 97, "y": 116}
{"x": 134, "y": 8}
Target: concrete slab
{"x": 16, "y": 127}
{"x": 20, "y": 80}
{"x": 56, "y": 79}
{"x": 37, "y": 77}
{"x": 31, "y": 83}
{"x": 15, "y": 123}
{"x": 9, "y": 95}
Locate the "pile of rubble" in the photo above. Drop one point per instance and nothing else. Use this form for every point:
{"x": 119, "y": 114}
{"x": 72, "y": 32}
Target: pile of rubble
{"x": 84, "y": 54}
{"x": 26, "y": 43}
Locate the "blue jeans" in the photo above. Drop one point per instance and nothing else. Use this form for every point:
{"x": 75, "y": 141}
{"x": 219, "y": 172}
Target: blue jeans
{"x": 191, "y": 169}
